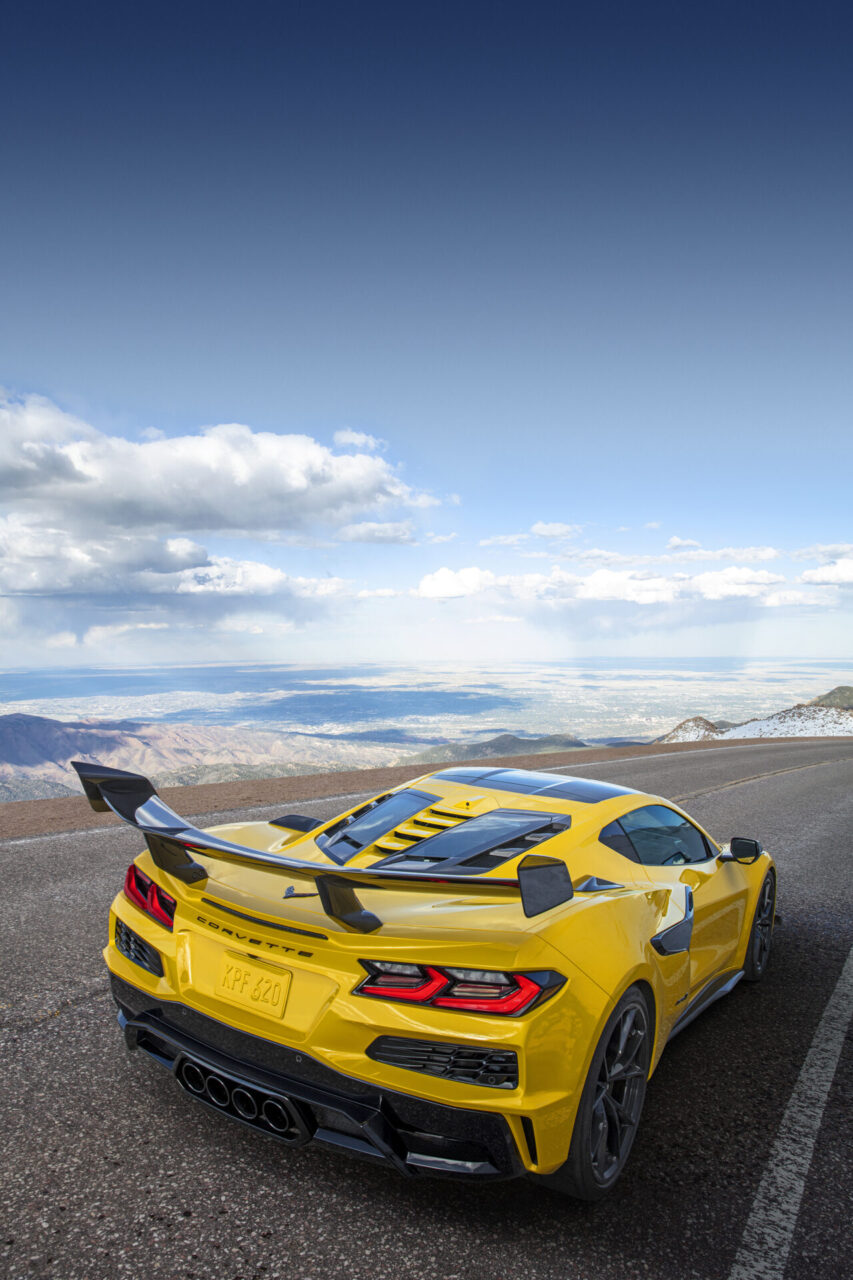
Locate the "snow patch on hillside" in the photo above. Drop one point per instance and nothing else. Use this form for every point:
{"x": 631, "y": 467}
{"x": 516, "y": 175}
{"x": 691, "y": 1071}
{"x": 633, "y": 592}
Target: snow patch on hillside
{"x": 696, "y": 729}
{"x": 797, "y": 722}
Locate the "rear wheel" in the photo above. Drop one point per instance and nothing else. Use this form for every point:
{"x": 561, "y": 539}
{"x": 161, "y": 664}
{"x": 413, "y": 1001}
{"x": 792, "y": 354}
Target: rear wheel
{"x": 611, "y": 1103}
{"x": 761, "y": 934}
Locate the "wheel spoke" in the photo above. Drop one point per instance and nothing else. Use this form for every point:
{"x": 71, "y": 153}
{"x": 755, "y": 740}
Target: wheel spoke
{"x": 614, "y": 1126}
{"x": 625, "y": 1031}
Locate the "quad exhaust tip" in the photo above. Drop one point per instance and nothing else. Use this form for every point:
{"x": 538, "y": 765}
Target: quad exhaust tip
{"x": 267, "y": 1112}
{"x": 217, "y": 1090}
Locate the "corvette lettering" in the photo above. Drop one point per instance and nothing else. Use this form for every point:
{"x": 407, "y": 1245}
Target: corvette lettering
{"x": 239, "y": 936}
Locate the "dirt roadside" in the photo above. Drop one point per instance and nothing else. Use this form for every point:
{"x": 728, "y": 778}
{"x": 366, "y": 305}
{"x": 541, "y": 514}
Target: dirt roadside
{"x": 20, "y": 818}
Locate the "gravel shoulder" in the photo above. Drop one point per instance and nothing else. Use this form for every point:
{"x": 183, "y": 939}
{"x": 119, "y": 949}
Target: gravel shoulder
{"x": 21, "y": 818}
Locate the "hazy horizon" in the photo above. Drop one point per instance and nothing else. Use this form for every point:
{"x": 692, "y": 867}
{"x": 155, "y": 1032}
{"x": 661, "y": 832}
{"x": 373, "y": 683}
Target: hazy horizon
{"x": 427, "y": 702}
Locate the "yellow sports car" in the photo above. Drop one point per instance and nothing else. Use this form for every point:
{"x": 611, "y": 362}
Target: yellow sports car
{"x": 474, "y": 974}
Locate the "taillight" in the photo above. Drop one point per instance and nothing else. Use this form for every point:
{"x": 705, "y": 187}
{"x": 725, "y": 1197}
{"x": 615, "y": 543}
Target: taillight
{"x": 149, "y": 897}
{"x": 470, "y": 990}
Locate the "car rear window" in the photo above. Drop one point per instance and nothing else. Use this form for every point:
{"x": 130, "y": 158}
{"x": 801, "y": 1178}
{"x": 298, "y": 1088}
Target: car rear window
{"x": 356, "y": 832}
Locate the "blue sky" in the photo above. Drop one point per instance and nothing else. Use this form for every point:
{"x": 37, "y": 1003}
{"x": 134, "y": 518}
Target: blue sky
{"x": 534, "y": 320}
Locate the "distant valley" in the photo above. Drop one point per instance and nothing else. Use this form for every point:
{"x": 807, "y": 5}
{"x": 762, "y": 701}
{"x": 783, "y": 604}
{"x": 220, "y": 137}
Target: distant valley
{"x": 36, "y": 751}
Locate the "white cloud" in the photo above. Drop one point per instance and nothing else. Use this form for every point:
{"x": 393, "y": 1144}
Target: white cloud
{"x": 222, "y": 478}
{"x": 639, "y": 588}
{"x": 347, "y": 439}
{"x": 448, "y": 584}
{"x": 818, "y": 596}
{"x": 824, "y": 551}
{"x": 604, "y": 585}
{"x": 435, "y": 538}
{"x": 731, "y": 583}
{"x": 683, "y": 552}
{"x": 839, "y": 573}
{"x": 544, "y": 529}
{"x": 61, "y": 640}
{"x": 541, "y": 529}
{"x": 98, "y": 636}
{"x": 377, "y": 593}
{"x": 41, "y": 559}
{"x": 496, "y": 618}
{"x": 675, "y": 543}
{"x": 99, "y": 528}
{"x": 401, "y": 531}
{"x": 652, "y": 524}
{"x": 253, "y": 624}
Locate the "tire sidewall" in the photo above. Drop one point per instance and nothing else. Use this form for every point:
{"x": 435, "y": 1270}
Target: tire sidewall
{"x": 750, "y": 973}
{"x": 577, "y": 1177}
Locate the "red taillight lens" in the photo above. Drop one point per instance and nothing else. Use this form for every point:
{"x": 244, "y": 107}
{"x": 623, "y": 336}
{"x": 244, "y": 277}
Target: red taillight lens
{"x": 470, "y": 990}
{"x": 514, "y": 996}
{"x": 403, "y": 982}
{"x": 136, "y": 886}
{"x": 149, "y": 897}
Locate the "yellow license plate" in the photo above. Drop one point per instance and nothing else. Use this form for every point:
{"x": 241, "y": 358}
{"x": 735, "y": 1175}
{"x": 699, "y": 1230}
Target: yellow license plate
{"x": 253, "y": 986}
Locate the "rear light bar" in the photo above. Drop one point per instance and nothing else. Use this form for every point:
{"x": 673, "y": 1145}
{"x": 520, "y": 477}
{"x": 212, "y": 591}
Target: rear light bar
{"x": 469, "y": 990}
{"x": 149, "y": 897}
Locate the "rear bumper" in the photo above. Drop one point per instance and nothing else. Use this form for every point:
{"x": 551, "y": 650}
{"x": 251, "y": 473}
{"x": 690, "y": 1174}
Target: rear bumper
{"x": 320, "y": 1104}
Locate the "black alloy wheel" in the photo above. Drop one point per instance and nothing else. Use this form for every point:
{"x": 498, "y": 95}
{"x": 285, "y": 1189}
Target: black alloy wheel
{"x": 619, "y": 1093}
{"x": 761, "y": 935}
{"x": 611, "y": 1103}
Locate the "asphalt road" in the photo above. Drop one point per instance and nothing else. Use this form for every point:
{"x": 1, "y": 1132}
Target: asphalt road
{"x": 108, "y": 1170}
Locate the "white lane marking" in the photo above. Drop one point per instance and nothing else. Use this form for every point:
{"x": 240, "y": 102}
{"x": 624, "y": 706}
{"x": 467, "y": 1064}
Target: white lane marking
{"x": 767, "y": 1236}
{"x": 699, "y": 751}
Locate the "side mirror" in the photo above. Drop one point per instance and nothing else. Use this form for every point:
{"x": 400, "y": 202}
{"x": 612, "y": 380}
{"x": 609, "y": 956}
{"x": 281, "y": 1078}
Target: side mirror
{"x": 742, "y": 850}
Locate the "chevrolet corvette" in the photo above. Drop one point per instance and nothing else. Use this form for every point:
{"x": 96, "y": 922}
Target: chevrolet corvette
{"x": 473, "y": 974}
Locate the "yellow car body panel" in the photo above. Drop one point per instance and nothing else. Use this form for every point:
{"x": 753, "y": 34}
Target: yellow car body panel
{"x": 248, "y": 952}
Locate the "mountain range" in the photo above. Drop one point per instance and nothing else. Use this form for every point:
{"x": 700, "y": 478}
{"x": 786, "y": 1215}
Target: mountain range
{"x": 828, "y": 716}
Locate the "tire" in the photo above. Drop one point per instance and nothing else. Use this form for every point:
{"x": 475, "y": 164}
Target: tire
{"x": 761, "y": 934}
{"x": 611, "y": 1103}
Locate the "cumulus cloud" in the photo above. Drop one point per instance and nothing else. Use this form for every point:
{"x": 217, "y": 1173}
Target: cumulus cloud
{"x": 611, "y": 584}
{"x": 348, "y": 439}
{"x": 824, "y": 551}
{"x": 553, "y": 529}
{"x": 630, "y": 586}
{"x": 101, "y": 525}
{"x": 38, "y": 559}
{"x": 541, "y": 529}
{"x": 732, "y": 583}
{"x": 681, "y": 551}
{"x": 226, "y": 577}
{"x": 99, "y": 636}
{"x": 222, "y": 478}
{"x": 449, "y": 584}
{"x": 401, "y": 531}
{"x": 839, "y": 573}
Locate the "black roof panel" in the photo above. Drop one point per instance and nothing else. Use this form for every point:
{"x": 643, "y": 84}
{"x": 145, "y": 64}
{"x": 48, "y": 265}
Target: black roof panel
{"x": 529, "y": 782}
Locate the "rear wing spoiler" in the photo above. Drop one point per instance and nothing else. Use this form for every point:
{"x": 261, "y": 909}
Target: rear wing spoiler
{"x": 540, "y": 882}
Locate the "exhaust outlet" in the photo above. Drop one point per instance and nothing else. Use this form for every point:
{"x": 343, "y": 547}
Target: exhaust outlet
{"x": 217, "y": 1091}
{"x": 193, "y": 1077}
{"x": 244, "y": 1104}
{"x": 276, "y": 1116}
